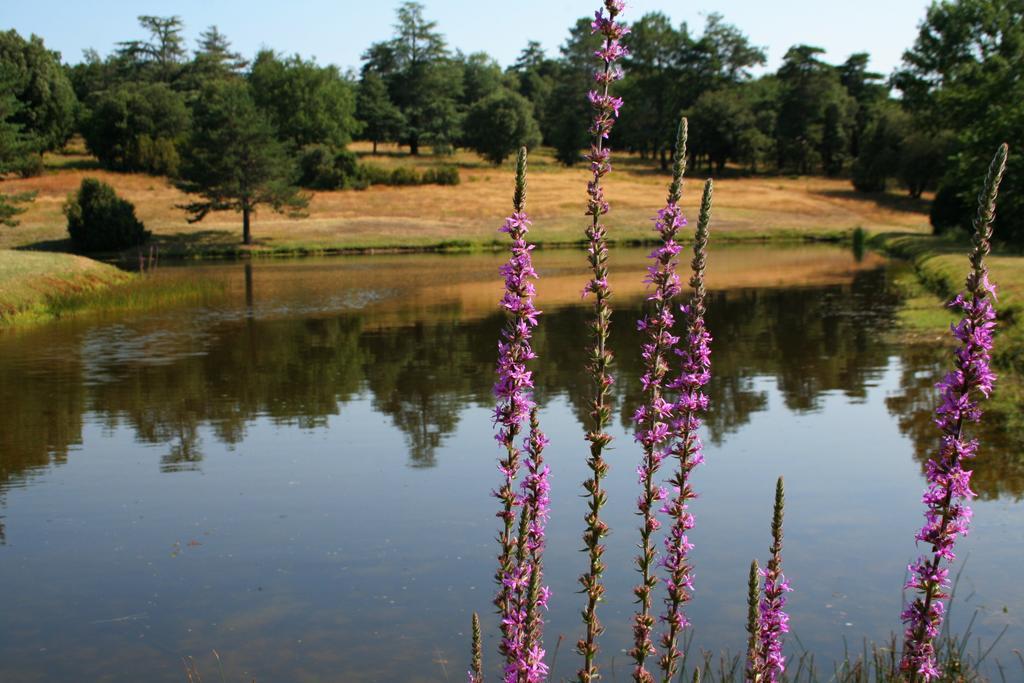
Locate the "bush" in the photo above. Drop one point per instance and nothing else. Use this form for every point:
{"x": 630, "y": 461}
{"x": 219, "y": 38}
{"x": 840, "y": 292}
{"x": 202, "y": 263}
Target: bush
{"x": 30, "y": 166}
{"x": 156, "y": 155}
{"x": 317, "y": 170}
{"x": 444, "y": 175}
{"x": 949, "y": 211}
{"x": 375, "y": 175}
{"x": 405, "y": 175}
{"x": 99, "y": 220}
{"x": 324, "y": 168}
{"x": 371, "y": 174}
{"x": 137, "y": 127}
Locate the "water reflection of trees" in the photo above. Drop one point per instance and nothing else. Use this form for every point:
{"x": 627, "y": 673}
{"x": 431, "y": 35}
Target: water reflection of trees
{"x": 999, "y": 465}
{"x": 423, "y": 375}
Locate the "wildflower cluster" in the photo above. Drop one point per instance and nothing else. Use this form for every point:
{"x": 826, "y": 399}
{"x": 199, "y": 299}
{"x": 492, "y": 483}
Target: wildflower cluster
{"x": 653, "y": 417}
{"x": 947, "y": 514}
{"x": 520, "y": 594}
{"x": 767, "y": 664}
{"x": 695, "y": 372}
{"x": 606, "y": 110}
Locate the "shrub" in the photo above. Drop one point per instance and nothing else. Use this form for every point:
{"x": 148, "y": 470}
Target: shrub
{"x": 156, "y": 155}
{"x": 375, "y": 175}
{"x": 30, "y": 166}
{"x": 324, "y": 168}
{"x": 136, "y": 127}
{"x": 371, "y": 174}
{"x": 405, "y": 175}
{"x": 99, "y": 220}
{"x": 949, "y": 211}
{"x": 317, "y": 169}
{"x": 443, "y": 175}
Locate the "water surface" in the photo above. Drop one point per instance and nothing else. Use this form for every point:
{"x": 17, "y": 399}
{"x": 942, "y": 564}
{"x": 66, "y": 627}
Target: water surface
{"x": 298, "y": 474}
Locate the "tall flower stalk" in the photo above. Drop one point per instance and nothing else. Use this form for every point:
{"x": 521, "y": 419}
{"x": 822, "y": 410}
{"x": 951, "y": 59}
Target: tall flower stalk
{"x": 653, "y": 417}
{"x": 518, "y": 559}
{"x": 476, "y": 667}
{"x": 695, "y": 372}
{"x": 947, "y": 514}
{"x": 606, "y": 110}
{"x": 767, "y": 663}
{"x": 753, "y": 620}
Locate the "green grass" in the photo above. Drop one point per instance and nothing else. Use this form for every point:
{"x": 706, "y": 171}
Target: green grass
{"x": 42, "y": 286}
{"x": 940, "y": 265}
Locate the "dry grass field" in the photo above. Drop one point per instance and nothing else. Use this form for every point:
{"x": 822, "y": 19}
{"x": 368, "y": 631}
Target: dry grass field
{"x": 468, "y": 214}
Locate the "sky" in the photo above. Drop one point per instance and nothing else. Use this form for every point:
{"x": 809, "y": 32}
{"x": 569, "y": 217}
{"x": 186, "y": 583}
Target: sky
{"x": 339, "y": 31}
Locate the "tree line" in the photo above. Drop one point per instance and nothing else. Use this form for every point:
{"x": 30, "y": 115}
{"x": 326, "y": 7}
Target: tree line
{"x": 243, "y": 133}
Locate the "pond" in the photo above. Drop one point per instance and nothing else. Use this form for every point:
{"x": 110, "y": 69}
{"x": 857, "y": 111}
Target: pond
{"x": 297, "y": 475}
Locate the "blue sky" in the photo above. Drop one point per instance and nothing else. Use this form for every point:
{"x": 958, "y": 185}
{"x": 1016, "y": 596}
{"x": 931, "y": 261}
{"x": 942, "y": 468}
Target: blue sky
{"x": 337, "y": 31}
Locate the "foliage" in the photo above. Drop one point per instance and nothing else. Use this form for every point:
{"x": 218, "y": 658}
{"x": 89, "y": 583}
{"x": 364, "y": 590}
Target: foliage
{"x": 949, "y": 210}
{"x": 99, "y": 220}
{"x": 814, "y": 108}
{"x": 16, "y": 152}
{"x": 35, "y": 77}
{"x": 325, "y": 168}
{"x": 370, "y": 174}
{"x": 380, "y": 118}
{"x": 534, "y": 76}
{"x": 232, "y": 159}
{"x": 965, "y": 73}
{"x": 214, "y": 58}
{"x": 137, "y": 127}
{"x": 481, "y": 77}
{"x": 422, "y": 79}
{"x": 162, "y": 57}
{"x": 307, "y": 104}
{"x": 923, "y": 156}
{"x": 499, "y": 124}
{"x": 568, "y": 98}
{"x": 879, "y": 159}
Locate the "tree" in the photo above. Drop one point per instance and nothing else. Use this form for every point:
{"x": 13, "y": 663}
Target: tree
{"x": 880, "y": 151}
{"x": 233, "y": 159}
{"x": 965, "y": 72}
{"x": 536, "y": 76}
{"x": 212, "y": 59}
{"x": 924, "y": 157}
{"x": 307, "y": 104}
{"x": 137, "y": 127}
{"x": 654, "y": 78}
{"x": 99, "y": 220}
{"x": 380, "y": 118}
{"x": 567, "y": 116}
{"x": 481, "y": 76}
{"x": 14, "y": 148}
{"x": 499, "y": 124}
{"x": 720, "y": 122}
{"x": 867, "y": 90}
{"x": 810, "y": 95}
{"x": 39, "y": 84}
{"x": 160, "y": 58}
{"x": 423, "y": 81}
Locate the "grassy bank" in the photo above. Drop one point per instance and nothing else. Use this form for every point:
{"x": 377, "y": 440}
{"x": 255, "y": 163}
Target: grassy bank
{"x": 466, "y": 216}
{"x": 941, "y": 267}
{"x": 42, "y": 286}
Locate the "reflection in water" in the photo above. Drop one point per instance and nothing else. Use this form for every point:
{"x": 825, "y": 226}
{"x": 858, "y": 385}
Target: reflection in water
{"x": 998, "y": 468}
{"x": 290, "y": 425}
{"x": 421, "y": 375}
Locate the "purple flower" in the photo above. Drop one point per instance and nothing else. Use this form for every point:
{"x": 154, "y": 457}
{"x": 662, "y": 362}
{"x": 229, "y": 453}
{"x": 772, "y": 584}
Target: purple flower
{"x": 766, "y": 621}
{"x": 606, "y": 110}
{"x": 654, "y": 417}
{"x": 520, "y": 594}
{"x": 946, "y": 513}
{"x": 694, "y": 374}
